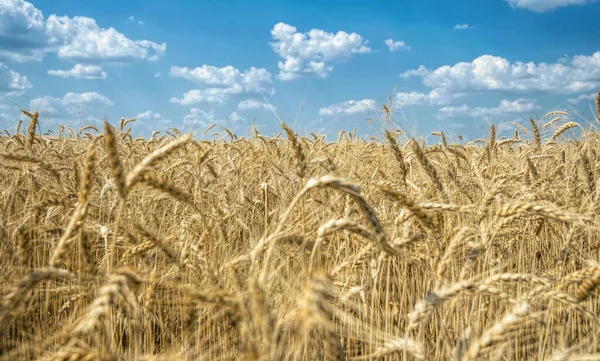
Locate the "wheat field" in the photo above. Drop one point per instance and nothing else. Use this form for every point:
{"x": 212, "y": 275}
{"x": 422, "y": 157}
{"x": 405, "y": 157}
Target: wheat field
{"x": 298, "y": 248}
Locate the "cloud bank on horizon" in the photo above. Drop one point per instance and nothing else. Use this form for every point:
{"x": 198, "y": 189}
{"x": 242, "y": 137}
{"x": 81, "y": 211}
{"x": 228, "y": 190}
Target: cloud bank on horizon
{"x": 545, "y": 5}
{"x": 75, "y": 67}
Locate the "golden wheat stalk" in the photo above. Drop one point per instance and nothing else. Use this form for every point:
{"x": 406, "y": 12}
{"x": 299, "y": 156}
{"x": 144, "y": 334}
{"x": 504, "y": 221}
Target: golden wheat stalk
{"x": 588, "y": 286}
{"x": 149, "y": 235}
{"x": 454, "y": 246}
{"x": 32, "y": 126}
{"x": 536, "y": 134}
{"x": 119, "y": 286}
{"x": 428, "y": 167}
{"x": 414, "y": 348}
{"x": 563, "y": 128}
{"x": 598, "y": 107}
{"x": 110, "y": 139}
{"x": 424, "y": 307}
{"x": 413, "y": 207}
{"x": 526, "y": 208}
{"x": 315, "y": 310}
{"x": 332, "y": 226}
{"x": 500, "y": 330}
{"x": 397, "y": 154}
{"x": 153, "y": 158}
{"x": 24, "y": 285}
{"x": 299, "y": 153}
{"x": 78, "y": 217}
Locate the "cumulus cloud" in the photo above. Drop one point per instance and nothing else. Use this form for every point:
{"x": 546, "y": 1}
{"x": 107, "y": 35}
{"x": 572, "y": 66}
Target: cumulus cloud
{"x": 541, "y": 6}
{"x": 26, "y": 35}
{"x": 434, "y": 97}
{"x": 153, "y": 117}
{"x": 45, "y": 104}
{"x": 462, "y": 27}
{"x": 490, "y": 73}
{"x": 254, "y": 104}
{"x": 86, "y": 98}
{"x": 591, "y": 96}
{"x": 505, "y": 108}
{"x": 220, "y": 83}
{"x": 199, "y": 117}
{"x": 70, "y": 103}
{"x": 253, "y": 79}
{"x": 396, "y": 45}
{"x": 210, "y": 96}
{"x": 80, "y": 71}
{"x": 349, "y": 107}
{"x": 236, "y": 117}
{"x": 22, "y": 31}
{"x": 310, "y": 53}
{"x": 203, "y": 118}
{"x": 80, "y": 38}
{"x": 11, "y": 81}
{"x": 7, "y": 118}
{"x": 420, "y": 71}
{"x": 157, "y": 75}
{"x": 15, "y": 93}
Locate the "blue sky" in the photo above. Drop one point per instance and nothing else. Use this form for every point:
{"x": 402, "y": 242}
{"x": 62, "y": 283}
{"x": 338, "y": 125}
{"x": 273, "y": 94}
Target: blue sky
{"x": 323, "y": 66}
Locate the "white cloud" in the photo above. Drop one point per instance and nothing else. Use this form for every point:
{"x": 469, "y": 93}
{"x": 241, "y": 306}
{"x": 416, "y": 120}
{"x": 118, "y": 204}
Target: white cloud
{"x": 462, "y": 27}
{"x": 152, "y": 116}
{"x": 26, "y": 35}
{"x": 434, "y": 97}
{"x": 251, "y": 80}
{"x": 224, "y": 83}
{"x": 15, "y": 93}
{"x": 22, "y": 31}
{"x": 157, "y": 75}
{"x": 505, "y": 108}
{"x": 541, "y": 6}
{"x": 203, "y": 118}
{"x": 11, "y": 80}
{"x": 349, "y": 107}
{"x": 396, "y": 45}
{"x": 80, "y": 71}
{"x": 45, "y": 104}
{"x": 310, "y": 52}
{"x": 210, "y": 96}
{"x": 80, "y": 38}
{"x": 133, "y": 19}
{"x": 591, "y": 96}
{"x": 420, "y": 71}
{"x": 253, "y": 104}
{"x": 199, "y": 117}
{"x": 86, "y": 98}
{"x": 7, "y": 118}
{"x": 71, "y": 103}
{"x": 487, "y": 72}
{"x": 235, "y": 117}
